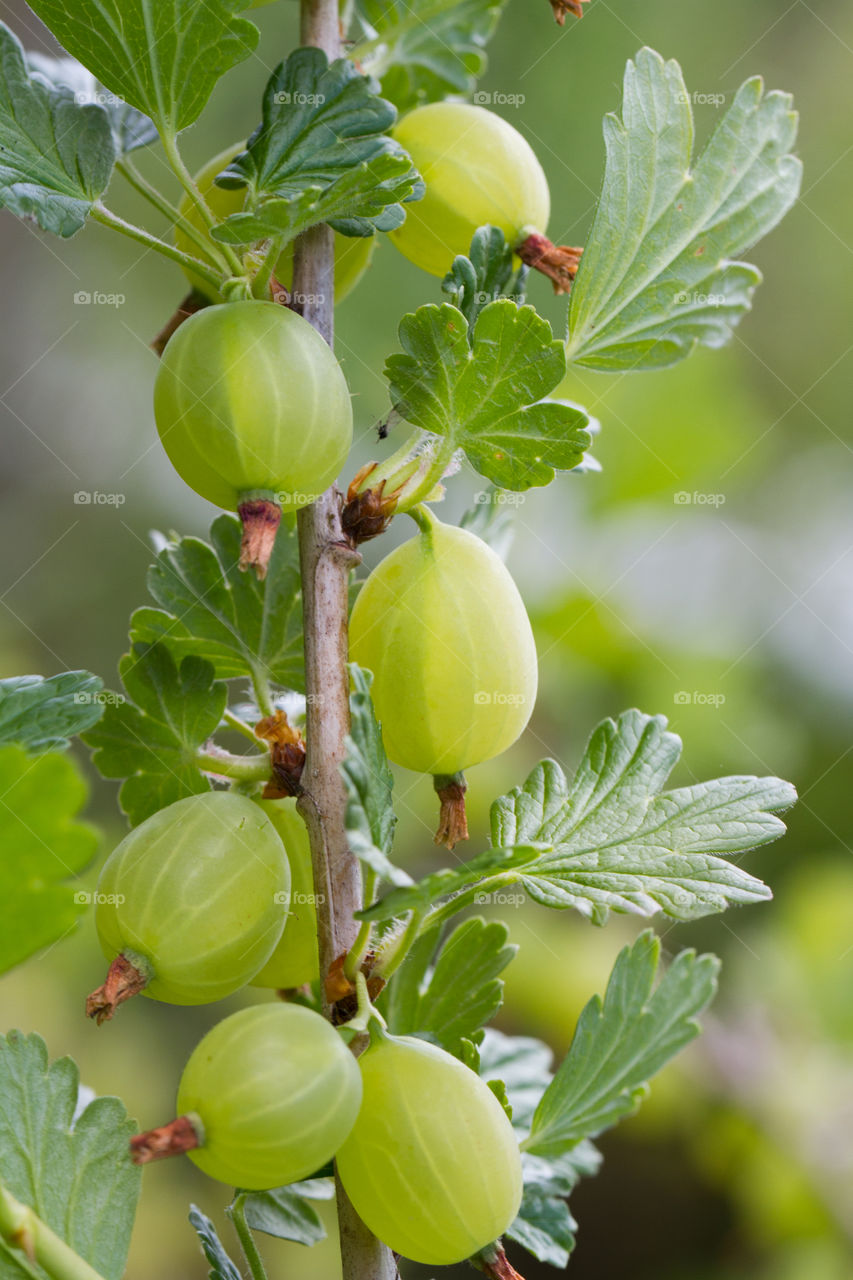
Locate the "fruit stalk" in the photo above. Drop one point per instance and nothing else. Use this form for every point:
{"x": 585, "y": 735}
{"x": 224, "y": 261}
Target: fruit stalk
{"x": 326, "y": 559}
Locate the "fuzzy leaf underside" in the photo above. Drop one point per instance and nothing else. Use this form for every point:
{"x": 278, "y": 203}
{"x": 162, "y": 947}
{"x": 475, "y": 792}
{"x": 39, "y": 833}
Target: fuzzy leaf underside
{"x": 660, "y": 271}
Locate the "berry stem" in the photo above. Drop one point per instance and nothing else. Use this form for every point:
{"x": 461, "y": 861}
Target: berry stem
{"x": 251, "y": 768}
{"x": 32, "y": 1242}
{"x": 149, "y": 192}
{"x": 182, "y": 173}
{"x": 237, "y": 1213}
{"x": 100, "y": 213}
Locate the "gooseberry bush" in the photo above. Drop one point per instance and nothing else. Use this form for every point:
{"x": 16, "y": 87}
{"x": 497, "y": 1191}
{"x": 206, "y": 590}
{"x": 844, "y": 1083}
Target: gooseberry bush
{"x": 363, "y": 1066}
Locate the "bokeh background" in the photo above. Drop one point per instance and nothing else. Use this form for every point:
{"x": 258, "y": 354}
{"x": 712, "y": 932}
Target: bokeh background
{"x": 729, "y": 612}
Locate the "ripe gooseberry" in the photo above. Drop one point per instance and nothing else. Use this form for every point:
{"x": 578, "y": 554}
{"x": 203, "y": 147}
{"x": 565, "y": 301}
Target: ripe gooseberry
{"x": 295, "y": 960}
{"x": 254, "y": 412}
{"x": 432, "y": 1164}
{"x": 189, "y": 905}
{"x": 352, "y": 253}
{"x": 266, "y": 1098}
{"x": 442, "y": 626}
{"x": 478, "y": 169}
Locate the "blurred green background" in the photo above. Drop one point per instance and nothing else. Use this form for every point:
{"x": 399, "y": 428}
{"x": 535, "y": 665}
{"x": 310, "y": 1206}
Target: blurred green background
{"x": 730, "y": 616}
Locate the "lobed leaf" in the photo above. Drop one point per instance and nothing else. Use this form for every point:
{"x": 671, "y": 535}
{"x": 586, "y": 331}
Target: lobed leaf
{"x": 221, "y": 1266}
{"x": 451, "y": 992}
{"x": 619, "y": 843}
{"x": 486, "y": 274}
{"x": 56, "y": 154}
{"x": 44, "y": 847}
{"x": 287, "y": 1212}
{"x": 68, "y": 1164}
{"x": 41, "y": 713}
{"x": 161, "y": 56}
{"x": 370, "y": 817}
{"x": 659, "y": 273}
{"x": 151, "y": 740}
{"x": 488, "y": 397}
{"x": 210, "y": 609}
{"x": 130, "y": 128}
{"x": 321, "y": 154}
{"x": 424, "y": 54}
{"x": 621, "y": 1042}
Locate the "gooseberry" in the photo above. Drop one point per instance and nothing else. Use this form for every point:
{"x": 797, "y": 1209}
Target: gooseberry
{"x": 432, "y": 1164}
{"x": 441, "y": 625}
{"x": 295, "y": 960}
{"x": 266, "y": 1098}
{"x": 251, "y": 405}
{"x": 352, "y": 253}
{"x": 478, "y": 169}
{"x": 191, "y": 903}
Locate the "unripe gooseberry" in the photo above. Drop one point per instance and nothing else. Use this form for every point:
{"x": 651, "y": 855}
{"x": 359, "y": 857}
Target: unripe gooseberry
{"x": 352, "y": 253}
{"x": 191, "y": 903}
{"x": 442, "y": 626}
{"x": 266, "y": 1098}
{"x": 295, "y": 960}
{"x": 432, "y": 1164}
{"x": 251, "y": 404}
{"x": 477, "y": 169}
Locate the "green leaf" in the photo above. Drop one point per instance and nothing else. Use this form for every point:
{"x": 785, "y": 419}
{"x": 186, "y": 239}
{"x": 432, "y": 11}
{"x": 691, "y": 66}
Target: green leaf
{"x": 370, "y": 817}
{"x": 657, "y": 275}
{"x": 440, "y": 884}
{"x": 621, "y": 1042}
{"x": 456, "y": 991}
{"x": 56, "y": 155}
{"x": 162, "y": 56}
{"x": 70, "y": 1165}
{"x": 151, "y": 740}
{"x": 487, "y": 398}
{"x": 210, "y": 609}
{"x": 221, "y": 1266}
{"x": 130, "y": 128}
{"x": 43, "y": 847}
{"x": 41, "y": 714}
{"x": 320, "y": 155}
{"x": 619, "y": 842}
{"x": 544, "y": 1226}
{"x": 424, "y": 54}
{"x": 287, "y": 1212}
{"x": 488, "y": 273}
